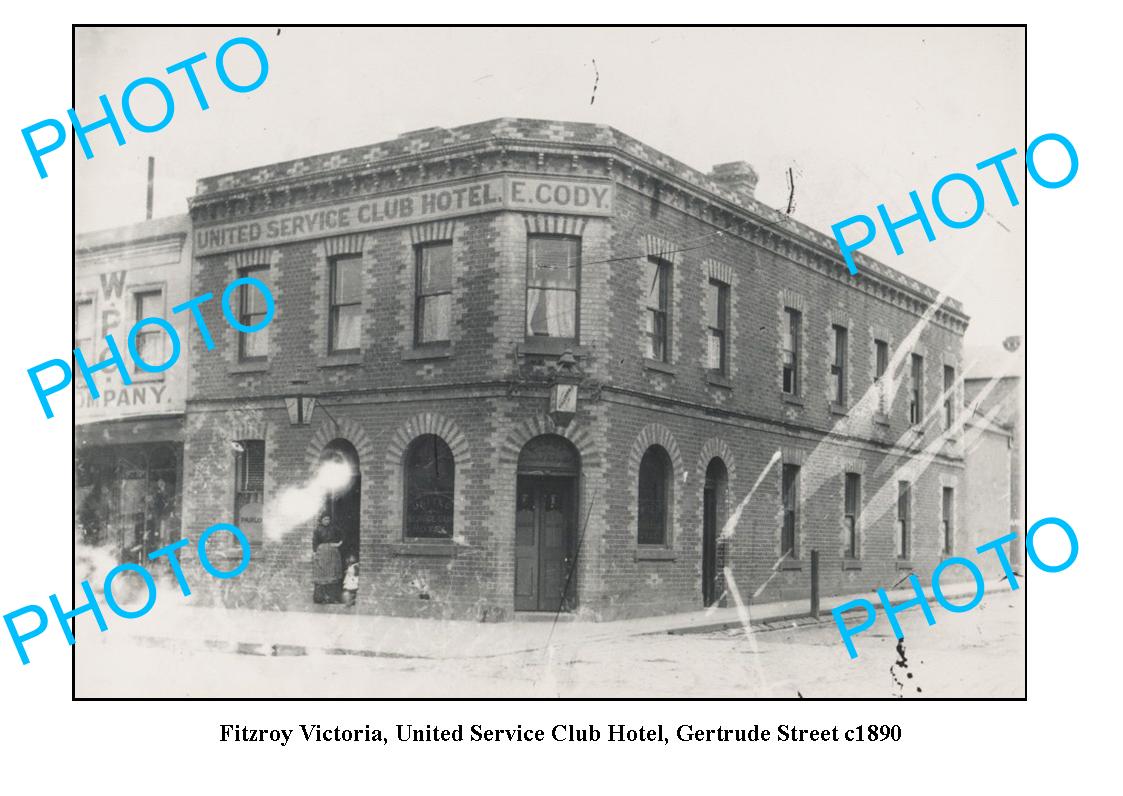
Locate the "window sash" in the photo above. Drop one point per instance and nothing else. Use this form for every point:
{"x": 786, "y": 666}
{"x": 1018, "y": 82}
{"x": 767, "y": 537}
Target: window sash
{"x": 432, "y": 316}
{"x": 790, "y": 500}
{"x": 790, "y": 345}
{"x": 657, "y": 273}
{"x": 652, "y": 503}
{"x": 916, "y": 404}
{"x": 948, "y": 512}
{"x": 949, "y": 395}
{"x": 251, "y": 311}
{"x": 838, "y": 368}
{"x": 717, "y": 320}
{"x": 903, "y": 512}
{"x": 881, "y": 356}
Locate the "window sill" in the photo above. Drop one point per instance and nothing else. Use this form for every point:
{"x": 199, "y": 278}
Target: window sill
{"x": 839, "y": 409}
{"x": 659, "y": 366}
{"x": 794, "y": 400}
{"x": 433, "y": 351}
{"x": 718, "y": 380}
{"x": 905, "y": 564}
{"x": 655, "y": 554}
{"x": 247, "y": 367}
{"x": 851, "y": 564}
{"x": 341, "y": 359}
{"x": 438, "y": 549}
{"x": 792, "y": 564}
{"x": 550, "y": 346}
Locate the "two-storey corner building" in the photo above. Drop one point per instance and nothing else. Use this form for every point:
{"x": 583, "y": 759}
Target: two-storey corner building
{"x": 732, "y": 400}
{"x": 129, "y": 439}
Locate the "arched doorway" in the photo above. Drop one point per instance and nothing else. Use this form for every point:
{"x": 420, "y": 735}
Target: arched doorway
{"x": 342, "y": 501}
{"x": 713, "y": 517}
{"x": 546, "y": 524}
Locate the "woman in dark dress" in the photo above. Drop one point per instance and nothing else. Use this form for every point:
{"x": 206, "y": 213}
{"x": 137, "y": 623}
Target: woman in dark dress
{"x": 327, "y": 564}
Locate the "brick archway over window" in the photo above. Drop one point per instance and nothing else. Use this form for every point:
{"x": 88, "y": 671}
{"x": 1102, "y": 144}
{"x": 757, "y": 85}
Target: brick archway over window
{"x": 654, "y": 434}
{"x": 717, "y": 449}
{"x": 533, "y": 427}
{"x": 346, "y": 429}
{"x": 429, "y": 423}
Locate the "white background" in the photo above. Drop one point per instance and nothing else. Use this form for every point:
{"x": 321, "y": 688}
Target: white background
{"x": 1059, "y": 735}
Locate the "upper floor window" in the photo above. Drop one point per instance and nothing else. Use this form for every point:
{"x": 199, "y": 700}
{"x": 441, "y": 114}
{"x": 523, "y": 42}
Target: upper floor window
{"x": 430, "y": 481}
{"x": 150, "y": 338}
{"x": 793, "y": 321}
{"x": 553, "y": 278}
{"x": 852, "y": 506}
{"x": 657, "y": 278}
{"x": 838, "y": 366}
{"x": 249, "y": 487}
{"x": 948, "y": 513}
{"x": 949, "y": 396}
{"x": 789, "y": 495}
{"x": 346, "y": 314}
{"x": 717, "y": 321}
{"x": 916, "y": 390}
{"x": 432, "y": 316}
{"x": 904, "y": 511}
{"x": 881, "y": 358}
{"x": 84, "y": 328}
{"x": 654, "y": 496}
{"x": 251, "y": 311}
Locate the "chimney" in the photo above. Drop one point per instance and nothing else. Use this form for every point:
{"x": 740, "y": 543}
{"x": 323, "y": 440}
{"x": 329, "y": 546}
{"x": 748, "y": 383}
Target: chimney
{"x": 151, "y": 175}
{"x": 737, "y": 176}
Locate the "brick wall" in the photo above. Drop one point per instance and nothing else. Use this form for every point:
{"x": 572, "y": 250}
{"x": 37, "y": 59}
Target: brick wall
{"x": 486, "y": 395}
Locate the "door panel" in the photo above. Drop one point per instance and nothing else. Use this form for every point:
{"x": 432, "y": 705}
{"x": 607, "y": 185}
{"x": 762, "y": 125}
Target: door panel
{"x": 526, "y": 547}
{"x": 554, "y": 513}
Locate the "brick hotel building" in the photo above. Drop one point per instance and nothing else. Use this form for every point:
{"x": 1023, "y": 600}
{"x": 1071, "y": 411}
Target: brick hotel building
{"x": 558, "y": 362}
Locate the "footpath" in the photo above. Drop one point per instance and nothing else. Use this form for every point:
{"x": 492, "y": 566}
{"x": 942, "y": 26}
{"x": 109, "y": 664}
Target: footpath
{"x": 277, "y": 633}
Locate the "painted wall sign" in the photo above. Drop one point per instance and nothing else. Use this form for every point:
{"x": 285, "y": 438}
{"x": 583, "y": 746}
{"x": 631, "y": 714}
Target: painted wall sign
{"x": 501, "y": 192}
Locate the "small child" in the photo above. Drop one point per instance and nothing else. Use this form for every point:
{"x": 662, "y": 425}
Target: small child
{"x": 351, "y": 581}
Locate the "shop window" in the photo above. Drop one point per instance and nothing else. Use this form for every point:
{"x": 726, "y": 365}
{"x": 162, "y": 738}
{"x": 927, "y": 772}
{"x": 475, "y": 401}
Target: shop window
{"x": 553, "y": 279}
{"x": 346, "y": 314}
{"x": 916, "y": 390}
{"x": 150, "y": 338}
{"x": 789, "y": 493}
{"x": 249, "y": 487}
{"x": 654, "y": 496}
{"x": 904, "y": 512}
{"x": 432, "y": 315}
{"x": 852, "y": 506}
{"x": 657, "y": 278}
{"x": 251, "y": 310}
{"x": 838, "y": 366}
{"x": 430, "y": 480}
{"x": 84, "y": 328}
{"x": 717, "y": 321}
{"x": 793, "y": 322}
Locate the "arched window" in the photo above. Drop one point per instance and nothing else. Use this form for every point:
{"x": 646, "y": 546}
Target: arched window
{"x": 429, "y": 488}
{"x": 654, "y": 496}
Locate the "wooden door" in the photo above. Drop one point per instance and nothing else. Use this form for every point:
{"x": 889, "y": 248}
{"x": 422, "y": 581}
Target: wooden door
{"x": 709, "y": 544}
{"x": 544, "y": 522}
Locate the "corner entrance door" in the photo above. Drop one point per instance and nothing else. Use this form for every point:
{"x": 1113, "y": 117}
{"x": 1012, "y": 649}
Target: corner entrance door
{"x": 709, "y": 544}
{"x": 544, "y": 522}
